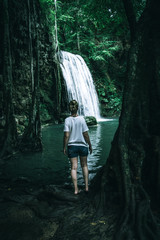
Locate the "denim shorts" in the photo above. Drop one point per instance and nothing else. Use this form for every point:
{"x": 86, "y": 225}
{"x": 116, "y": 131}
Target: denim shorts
{"x": 75, "y": 151}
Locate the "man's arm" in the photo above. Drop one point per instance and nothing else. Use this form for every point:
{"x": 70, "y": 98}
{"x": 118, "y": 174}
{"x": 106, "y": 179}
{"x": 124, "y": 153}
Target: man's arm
{"x": 87, "y": 139}
{"x": 65, "y": 142}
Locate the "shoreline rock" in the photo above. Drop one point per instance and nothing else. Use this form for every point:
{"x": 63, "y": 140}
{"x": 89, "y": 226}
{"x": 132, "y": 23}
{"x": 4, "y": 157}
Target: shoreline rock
{"x": 90, "y": 120}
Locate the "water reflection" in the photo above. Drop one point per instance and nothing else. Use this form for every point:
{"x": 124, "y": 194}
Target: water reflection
{"x": 51, "y": 166}
{"x": 93, "y": 159}
{"x": 101, "y": 137}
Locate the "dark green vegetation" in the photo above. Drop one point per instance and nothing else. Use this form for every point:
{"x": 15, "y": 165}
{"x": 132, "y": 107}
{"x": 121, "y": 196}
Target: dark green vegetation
{"x": 99, "y": 33}
{"x": 128, "y": 186}
{"x": 34, "y": 36}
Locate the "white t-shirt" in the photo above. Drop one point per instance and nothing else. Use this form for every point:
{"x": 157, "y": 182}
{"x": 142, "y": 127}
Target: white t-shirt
{"x": 76, "y": 126}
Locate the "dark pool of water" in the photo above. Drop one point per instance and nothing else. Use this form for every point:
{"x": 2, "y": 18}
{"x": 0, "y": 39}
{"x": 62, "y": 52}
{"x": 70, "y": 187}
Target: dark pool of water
{"x": 51, "y": 166}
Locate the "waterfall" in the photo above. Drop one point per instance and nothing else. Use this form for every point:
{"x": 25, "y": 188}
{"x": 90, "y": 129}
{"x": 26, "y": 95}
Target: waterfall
{"x": 79, "y": 84}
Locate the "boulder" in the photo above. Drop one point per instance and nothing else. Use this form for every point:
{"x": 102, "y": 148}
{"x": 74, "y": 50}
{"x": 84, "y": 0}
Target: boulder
{"x": 90, "y": 120}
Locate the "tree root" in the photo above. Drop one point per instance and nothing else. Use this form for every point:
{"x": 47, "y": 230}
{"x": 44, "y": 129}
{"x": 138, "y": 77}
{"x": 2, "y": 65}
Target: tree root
{"x": 137, "y": 221}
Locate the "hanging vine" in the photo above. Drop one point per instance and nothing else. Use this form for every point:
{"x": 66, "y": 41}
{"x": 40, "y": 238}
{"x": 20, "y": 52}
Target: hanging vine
{"x": 10, "y": 134}
{"x": 31, "y": 139}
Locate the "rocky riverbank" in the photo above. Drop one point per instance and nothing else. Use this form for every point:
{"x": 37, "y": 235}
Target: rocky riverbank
{"x": 37, "y": 212}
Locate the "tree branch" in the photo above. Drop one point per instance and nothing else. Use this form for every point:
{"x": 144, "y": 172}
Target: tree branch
{"x": 128, "y": 6}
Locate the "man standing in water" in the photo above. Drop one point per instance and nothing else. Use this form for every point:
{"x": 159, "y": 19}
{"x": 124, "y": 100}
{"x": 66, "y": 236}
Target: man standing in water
{"x": 77, "y": 139}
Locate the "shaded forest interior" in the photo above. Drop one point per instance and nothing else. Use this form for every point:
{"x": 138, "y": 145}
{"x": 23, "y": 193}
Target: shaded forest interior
{"x": 120, "y": 43}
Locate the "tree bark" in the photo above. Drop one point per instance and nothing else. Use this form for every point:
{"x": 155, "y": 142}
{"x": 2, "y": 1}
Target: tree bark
{"x": 31, "y": 140}
{"x": 131, "y": 17}
{"x": 127, "y": 175}
{"x": 9, "y": 138}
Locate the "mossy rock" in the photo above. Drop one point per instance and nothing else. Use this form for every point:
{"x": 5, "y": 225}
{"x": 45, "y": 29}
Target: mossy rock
{"x": 90, "y": 120}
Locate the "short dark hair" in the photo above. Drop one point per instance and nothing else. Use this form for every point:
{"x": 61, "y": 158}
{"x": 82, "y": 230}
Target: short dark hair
{"x": 75, "y": 103}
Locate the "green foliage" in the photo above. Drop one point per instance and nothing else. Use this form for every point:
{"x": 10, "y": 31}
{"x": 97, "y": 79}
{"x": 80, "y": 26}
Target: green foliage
{"x": 94, "y": 31}
{"x": 108, "y": 95}
{"x": 48, "y": 13}
{"x": 105, "y": 50}
{"x": 98, "y": 31}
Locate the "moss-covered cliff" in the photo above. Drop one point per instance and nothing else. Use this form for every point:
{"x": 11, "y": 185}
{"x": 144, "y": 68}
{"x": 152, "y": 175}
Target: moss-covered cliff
{"x": 20, "y": 52}
{"x": 28, "y": 70}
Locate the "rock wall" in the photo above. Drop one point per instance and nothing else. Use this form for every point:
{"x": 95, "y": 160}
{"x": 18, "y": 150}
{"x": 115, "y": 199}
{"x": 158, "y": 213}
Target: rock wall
{"x": 19, "y": 32}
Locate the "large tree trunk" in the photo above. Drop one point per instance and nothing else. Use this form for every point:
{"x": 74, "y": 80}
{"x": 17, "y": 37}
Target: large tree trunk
{"x": 31, "y": 139}
{"x": 57, "y": 71}
{"x": 8, "y": 141}
{"x": 135, "y": 156}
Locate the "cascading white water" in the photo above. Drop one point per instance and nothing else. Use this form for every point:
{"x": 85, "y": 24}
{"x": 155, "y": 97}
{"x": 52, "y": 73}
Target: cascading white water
{"x": 79, "y": 84}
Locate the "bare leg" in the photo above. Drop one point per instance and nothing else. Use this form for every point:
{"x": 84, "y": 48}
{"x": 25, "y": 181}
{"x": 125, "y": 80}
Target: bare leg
{"x": 74, "y": 165}
{"x": 85, "y": 171}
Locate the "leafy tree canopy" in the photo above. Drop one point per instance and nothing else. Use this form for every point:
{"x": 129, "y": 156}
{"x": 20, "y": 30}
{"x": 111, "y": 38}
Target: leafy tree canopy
{"x": 99, "y": 32}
